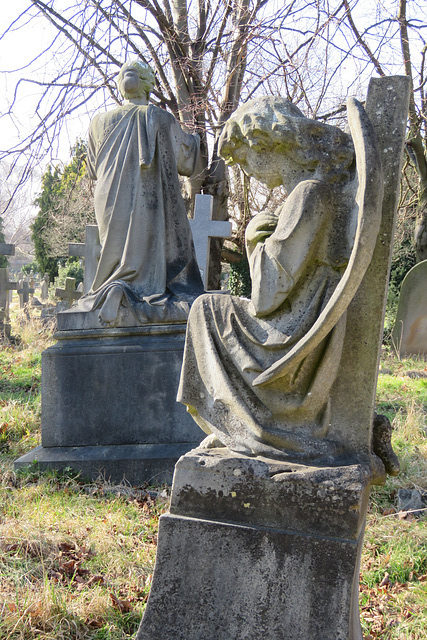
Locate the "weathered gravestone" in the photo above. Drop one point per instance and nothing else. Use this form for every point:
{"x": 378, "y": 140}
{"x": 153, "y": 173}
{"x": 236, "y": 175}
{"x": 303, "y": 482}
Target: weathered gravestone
{"x": 24, "y": 291}
{"x": 69, "y": 294}
{"x": 410, "y": 329}
{"x": 109, "y": 384}
{"x": 44, "y": 293}
{"x": 90, "y": 250}
{"x": 6, "y": 286}
{"x": 265, "y": 531}
{"x": 203, "y": 229}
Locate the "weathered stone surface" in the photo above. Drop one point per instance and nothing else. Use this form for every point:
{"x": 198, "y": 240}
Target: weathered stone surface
{"x": 136, "y": 463}
{"x": 262, "y": 559}
{"x": 219, "y": 485}
{"x": 353, "y": 394}
{"x": 6, "y": 287}
{"x": 411, "y": 500}
{"x": 108, "y": 389}
{"x": 258, "y": 373}
{"x": 410, "y": 329}
{"x": 45, "y": 287}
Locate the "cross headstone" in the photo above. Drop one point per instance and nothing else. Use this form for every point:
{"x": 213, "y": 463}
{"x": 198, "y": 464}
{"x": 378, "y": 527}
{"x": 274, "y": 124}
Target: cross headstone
{"x": 24, "y": 291}
{"x": 7, "y": 250}
{"x": 203, "y": 229}
{"x": 69, "y": 294}
{"x": 90, "y": 250}
{"x": 202, "y": 226}
{"x": 5, "y": 287}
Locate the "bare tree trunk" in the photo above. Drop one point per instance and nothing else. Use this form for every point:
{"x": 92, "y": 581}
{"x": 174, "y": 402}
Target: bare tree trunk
{"x": 418, "y": 152}
{"x": 420, "y": 235}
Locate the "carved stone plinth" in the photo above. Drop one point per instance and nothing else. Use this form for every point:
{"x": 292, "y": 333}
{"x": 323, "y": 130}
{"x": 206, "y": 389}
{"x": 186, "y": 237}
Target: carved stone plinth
{"x": 108, "y": 404}
{"x": 256, "y": 549}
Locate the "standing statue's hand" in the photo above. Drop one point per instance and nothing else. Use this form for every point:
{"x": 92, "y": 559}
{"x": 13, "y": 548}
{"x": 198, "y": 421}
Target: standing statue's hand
{"x": 261, "y": 227}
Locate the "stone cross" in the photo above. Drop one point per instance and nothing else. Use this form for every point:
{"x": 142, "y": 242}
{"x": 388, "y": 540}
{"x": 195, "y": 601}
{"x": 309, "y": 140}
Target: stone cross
{"x": 6, "y": 250}
{"x": 69, "y": 294}
{"x": 202, "y": 226}
{"x": 90, "y": 250}
{"x": 203, "y": 229}
{"x": 5, "y": 287}
{"x": 24, "y": 293}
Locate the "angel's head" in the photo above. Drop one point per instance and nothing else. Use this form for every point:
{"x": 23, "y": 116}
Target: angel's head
{"x": 271, "y": 139}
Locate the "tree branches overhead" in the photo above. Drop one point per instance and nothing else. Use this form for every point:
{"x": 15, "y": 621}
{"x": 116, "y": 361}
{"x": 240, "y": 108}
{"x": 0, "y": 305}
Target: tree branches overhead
{"x": 208, "y": 56}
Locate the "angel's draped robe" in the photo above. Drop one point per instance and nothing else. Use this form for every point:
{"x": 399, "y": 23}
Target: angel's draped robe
{"x": 135, "y": 154}
{"x": 230, "y": 340}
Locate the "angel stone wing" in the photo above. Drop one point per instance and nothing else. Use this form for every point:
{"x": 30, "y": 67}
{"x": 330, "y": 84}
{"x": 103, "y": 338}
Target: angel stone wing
{"x": 368, "y": 200}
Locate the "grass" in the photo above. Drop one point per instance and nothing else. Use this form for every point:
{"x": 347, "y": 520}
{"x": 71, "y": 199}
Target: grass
{"x": 76, "y": 558}
{"x": 393, "y": 581}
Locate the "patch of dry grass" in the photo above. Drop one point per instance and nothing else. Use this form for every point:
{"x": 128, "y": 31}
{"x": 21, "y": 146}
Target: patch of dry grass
{"x": 76, "y": 559}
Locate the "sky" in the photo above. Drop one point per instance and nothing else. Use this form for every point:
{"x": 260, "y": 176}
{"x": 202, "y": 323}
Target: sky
{"x": 16, "y": 50}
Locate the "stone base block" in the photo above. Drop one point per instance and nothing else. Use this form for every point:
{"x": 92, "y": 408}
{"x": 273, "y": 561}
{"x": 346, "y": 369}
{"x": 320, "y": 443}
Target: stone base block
{"x": 108, "y": 392}
{"x": 153, "y": 463}
{"x": 273, "y": 553}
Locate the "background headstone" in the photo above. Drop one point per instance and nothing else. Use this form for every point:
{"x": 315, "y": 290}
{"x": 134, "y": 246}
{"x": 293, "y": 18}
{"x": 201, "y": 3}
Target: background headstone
{"x": 203, "y": 229}
{"x": 69, "y": 294}
{"x": 410, "y": 330}
{"x": 90, "y": 251}
{"x": 45, "y": 288}
{"x": 24, "y": 291}
{"x": 6, "y": 286}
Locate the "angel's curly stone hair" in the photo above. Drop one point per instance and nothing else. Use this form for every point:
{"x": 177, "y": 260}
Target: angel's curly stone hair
{"x": 274, "y": 124}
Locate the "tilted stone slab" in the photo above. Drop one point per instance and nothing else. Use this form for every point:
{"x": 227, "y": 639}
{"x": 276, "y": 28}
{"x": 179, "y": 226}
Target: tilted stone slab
{"x": 410, "y": 329}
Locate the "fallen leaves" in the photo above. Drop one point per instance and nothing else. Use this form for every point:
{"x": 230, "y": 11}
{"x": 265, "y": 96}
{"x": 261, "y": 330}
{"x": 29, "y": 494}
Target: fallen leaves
{"x": 124, "y": 606}
{"x": 385, "y": 608}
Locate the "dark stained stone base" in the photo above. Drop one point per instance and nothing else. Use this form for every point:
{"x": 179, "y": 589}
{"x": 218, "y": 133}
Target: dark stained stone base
{"x": 143, "y": 463}
{"x": 274, "y": 552}
{"x": 109, "y": 404}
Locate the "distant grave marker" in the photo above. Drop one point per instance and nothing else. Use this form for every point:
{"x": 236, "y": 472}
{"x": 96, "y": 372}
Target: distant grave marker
{"x": 203, "y": 229}
{"x": 410, "y": 329}
{"x": 69, "y": 294}
{"x": 5, "y": 287}
{"x": 90, "y": 250}
{"x": 24, "y": 291}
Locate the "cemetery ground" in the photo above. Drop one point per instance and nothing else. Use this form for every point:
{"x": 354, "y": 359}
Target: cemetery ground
{"x": 76, "y": 557}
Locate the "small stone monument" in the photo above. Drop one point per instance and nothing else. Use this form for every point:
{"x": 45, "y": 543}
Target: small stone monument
{"x": 410, "y": 330}
{"x": 24, "y": 291}
{"x": 265, "y": 531}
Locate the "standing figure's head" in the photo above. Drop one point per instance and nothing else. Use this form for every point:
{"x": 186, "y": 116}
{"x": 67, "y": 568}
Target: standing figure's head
{"x": 272, "y": 140}
{"x": 136, "y": 80}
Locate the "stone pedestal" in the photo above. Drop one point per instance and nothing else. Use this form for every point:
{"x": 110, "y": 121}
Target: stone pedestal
{"x": 108, "y": 403}
{"x": 257, "y": 549}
